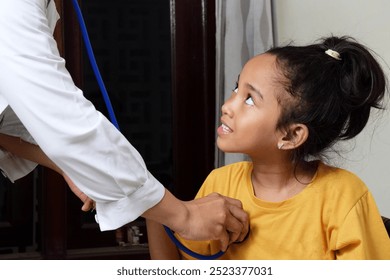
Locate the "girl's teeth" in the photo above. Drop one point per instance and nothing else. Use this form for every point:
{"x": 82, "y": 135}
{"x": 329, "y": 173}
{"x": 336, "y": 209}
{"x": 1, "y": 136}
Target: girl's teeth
{"x": 226, "y": 128}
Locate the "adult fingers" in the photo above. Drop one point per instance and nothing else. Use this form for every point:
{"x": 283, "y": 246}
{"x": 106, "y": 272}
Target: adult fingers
{"x": 237, "y": 220}
{"x": 242, "y": 217}
{"x": 88, "y": 205}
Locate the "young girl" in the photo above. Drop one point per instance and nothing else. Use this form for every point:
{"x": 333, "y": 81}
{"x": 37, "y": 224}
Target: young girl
{"x": 291, "y": 104}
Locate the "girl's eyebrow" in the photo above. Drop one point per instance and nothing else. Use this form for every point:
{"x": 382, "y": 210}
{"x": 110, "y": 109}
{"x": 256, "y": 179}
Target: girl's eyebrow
{"x": 252, "y": 88}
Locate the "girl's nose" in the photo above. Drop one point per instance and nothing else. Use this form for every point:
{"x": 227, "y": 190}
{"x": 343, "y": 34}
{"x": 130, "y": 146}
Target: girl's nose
{"x": 227, "y": 107}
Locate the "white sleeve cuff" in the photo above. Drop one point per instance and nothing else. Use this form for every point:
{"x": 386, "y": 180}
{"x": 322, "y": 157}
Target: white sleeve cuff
{"x": 112, "y": 215}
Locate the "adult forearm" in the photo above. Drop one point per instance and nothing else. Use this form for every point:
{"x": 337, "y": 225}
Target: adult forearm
{"x": 20, "y": 148}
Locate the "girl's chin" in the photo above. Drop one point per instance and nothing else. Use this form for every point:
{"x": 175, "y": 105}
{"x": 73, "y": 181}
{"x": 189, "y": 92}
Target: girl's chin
{"x": 225, "y": 149}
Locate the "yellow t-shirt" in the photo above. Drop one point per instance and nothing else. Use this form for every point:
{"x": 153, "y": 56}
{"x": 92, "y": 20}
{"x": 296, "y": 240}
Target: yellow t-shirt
{"x": 334, "y": 217}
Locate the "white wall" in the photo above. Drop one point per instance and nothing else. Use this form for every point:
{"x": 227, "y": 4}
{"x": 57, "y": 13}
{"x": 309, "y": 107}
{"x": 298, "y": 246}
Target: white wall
{"x": 304, "y": 21}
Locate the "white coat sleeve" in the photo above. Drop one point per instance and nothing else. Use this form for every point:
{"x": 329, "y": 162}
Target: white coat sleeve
{"x": 68, "y": 128}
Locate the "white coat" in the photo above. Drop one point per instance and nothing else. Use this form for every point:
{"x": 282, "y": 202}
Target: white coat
{"x": 73, "y": 134}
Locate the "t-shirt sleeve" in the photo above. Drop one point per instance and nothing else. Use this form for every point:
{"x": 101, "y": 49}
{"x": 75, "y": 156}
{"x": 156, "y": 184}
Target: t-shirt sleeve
{"x": 362, "y": 235}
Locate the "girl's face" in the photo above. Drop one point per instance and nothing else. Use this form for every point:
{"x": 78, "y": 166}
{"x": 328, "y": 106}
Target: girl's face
{"x": 250, "y": 115}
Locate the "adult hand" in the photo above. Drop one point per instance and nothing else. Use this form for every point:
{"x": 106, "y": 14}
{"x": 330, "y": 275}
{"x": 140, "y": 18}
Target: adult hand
{"x": 216, "y": 217}
{"x": 88, "y": 203}
{"x": 213, "y": 217}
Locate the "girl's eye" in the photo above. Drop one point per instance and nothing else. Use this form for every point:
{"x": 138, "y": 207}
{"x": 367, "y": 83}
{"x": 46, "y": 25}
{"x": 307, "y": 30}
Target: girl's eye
{"x": 236, "y": 88}
{"x": 249, "y": 101}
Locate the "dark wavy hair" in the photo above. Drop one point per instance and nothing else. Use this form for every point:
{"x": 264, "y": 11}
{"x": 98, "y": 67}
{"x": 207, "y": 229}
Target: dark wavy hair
{"x": 332, "y": 97}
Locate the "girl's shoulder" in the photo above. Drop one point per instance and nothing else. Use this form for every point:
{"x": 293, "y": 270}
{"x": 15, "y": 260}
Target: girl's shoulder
{"x": 336, "y": 179}
{"x": 228, "y": 178}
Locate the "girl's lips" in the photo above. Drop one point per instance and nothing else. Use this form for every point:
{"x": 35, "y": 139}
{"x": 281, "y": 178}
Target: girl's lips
{"x": 224, "y": 129}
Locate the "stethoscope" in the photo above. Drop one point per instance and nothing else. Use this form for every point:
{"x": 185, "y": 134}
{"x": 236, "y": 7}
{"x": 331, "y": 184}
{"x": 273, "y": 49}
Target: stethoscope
{"x": 114, "y": 121}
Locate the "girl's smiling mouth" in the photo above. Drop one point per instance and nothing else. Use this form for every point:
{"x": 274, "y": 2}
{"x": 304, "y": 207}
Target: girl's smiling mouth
{"x": 224, "y": 129}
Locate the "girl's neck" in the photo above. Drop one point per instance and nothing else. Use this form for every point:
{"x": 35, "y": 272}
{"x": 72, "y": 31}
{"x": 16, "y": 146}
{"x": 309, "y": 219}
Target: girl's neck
{"x": 276, "y": 183}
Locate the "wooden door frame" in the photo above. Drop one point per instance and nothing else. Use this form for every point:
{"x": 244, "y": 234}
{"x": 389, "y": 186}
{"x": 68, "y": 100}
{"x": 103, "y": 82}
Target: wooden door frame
{"x": 193, "y": 93}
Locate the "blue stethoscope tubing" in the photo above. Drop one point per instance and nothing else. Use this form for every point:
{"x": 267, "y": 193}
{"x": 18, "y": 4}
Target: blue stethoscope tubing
{"x": 94, "y": 66}
{"x": 114, "y": 121}
{"x": 188, "y": 251}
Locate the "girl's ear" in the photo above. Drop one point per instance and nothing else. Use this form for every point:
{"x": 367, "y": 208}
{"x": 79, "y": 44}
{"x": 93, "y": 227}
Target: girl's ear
{"x": 295, "y": 136}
